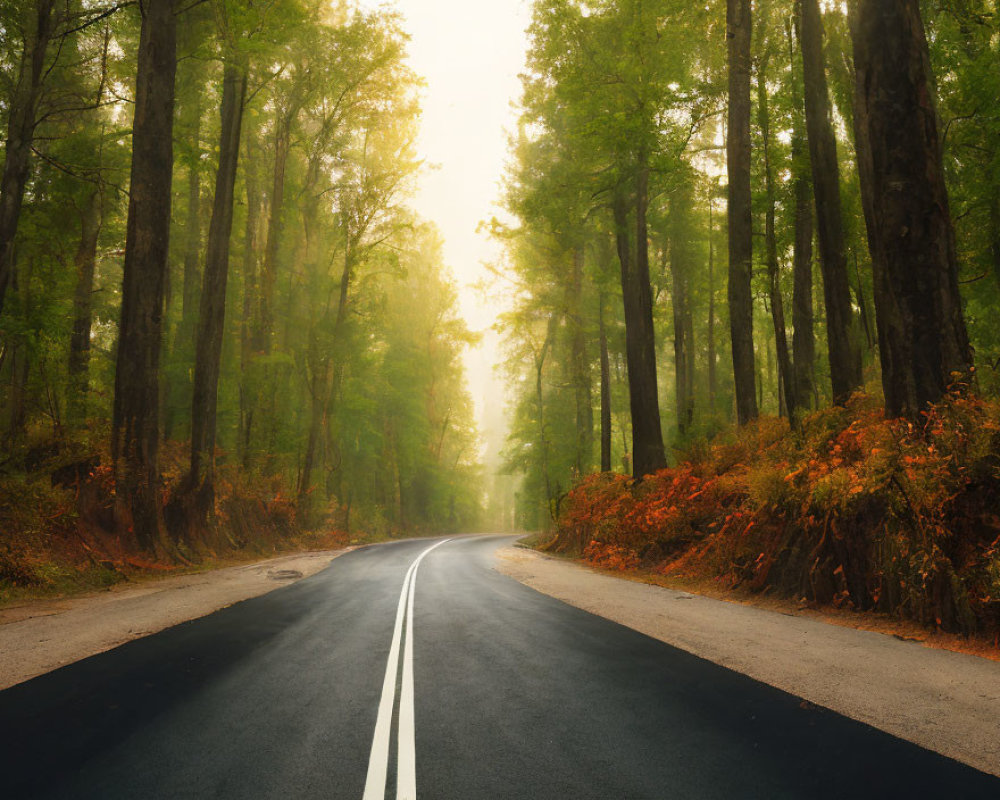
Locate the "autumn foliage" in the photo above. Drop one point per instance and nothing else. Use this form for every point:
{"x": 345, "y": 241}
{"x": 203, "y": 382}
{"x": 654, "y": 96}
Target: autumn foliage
{"x": 58, "y": 532}
{"x": 854, "y": 510}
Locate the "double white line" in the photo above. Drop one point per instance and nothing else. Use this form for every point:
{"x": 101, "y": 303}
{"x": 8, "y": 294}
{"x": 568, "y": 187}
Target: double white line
{"x": 406, "y": 759}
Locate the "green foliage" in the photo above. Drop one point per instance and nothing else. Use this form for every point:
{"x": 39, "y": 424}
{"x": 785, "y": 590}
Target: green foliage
{"x": 342, "y": 345}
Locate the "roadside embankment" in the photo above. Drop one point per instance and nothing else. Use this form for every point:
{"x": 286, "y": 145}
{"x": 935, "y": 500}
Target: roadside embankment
{"x": 850, "y": 510}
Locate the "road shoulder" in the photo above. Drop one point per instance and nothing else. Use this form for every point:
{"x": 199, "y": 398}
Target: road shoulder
{"x": 947, "y": 702}
{"x": 42, "y": 635}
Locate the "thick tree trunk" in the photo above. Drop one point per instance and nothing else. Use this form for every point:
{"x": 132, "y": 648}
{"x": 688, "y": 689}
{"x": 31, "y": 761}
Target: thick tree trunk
{"x": 922, "y": 336}
{"x": 21, "y": 112}
{"x": 841, "y": 323}
{"x": 740, "y": 212}
{"x": 862, "y": 150}
{"x": 605, "y": 390}
{"x": 640, "y": 347}
{"x": 135, "y": 428}
{"x": 803, "y": 336}
{"x": 787, "y": 389}
{"x": 680, "y": 271}
{"x": 79, "y": 343}
{"x": 212, "y": 316}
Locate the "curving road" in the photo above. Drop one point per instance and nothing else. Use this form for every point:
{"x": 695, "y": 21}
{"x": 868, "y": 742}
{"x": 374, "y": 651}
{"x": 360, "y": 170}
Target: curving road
{"x": 385, "y": 677}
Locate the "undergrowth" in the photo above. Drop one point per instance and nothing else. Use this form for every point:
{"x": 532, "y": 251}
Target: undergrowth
{"x": 852, "y": 510}
{"x": 58, "y": 533}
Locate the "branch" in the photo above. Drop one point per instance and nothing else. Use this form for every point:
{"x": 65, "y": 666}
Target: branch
{"x": 187, "y": 8}
{"x": 63, "y": 168}
{"x": 102, "y": 14}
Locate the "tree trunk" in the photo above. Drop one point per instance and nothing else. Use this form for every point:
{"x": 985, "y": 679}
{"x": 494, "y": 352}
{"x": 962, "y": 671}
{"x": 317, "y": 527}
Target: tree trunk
{"x": 319, "y": 392}
{"x": 580, "y": 367}
{"x": 177, "y": 391}
{"x": 192, "y": 234}
{"x": 605, "y": 390}
{"x": 248, "y": 386}
{"x": 134, "y": 438}
{"x": 23, "y": 105}
{"x": 841, "y": 324}
{"x": 264, "y": 400}
{"x": 922, "y": 337}
{"x": 680, "y": 271}
{"x": 212, "y": 316}
{"x": 540, "y": 399}
{"x": 79, "y": 343}
{"x": 740, "y": 211}
{"x": 319, "y": 358}
{"x": 20, "y": 357}
{"x": 995, "y": 235}
{"x": 268, "y": 273}
{"x": 787, "y": 391}
{"x": 859, "y": 295}
{"x": 710, "y": 334}
{"x": 640, "y": 347}
{"x": 803, "y": 337}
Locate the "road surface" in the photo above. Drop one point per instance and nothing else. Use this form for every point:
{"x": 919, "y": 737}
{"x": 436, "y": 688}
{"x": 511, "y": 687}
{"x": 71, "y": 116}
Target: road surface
{"x": 415, "y": 669}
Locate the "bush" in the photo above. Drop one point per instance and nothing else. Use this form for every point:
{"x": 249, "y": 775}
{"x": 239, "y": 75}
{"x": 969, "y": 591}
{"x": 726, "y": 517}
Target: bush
{"x": 853, "y": 509}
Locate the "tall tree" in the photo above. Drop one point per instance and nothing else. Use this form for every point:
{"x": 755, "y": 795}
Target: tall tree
{"x": 135, "y": 425}
{"x": 710, "y": 332}
{"x": 640, "y": 343}
{"x": 803, "y": 336}
{"x": 85, "y": 260}
{"x": 681, "y": 275}
{"x": 605, "y": 389}
{"x": 841, "y": 325}
{"x": 211, "y": 319}
{"x": 738, "y": 31}
{"x": 579, "y": 364}
{"x": 785, "y": 374}
{"x": 923, "y": 342}
{"x": 39, "y": 23}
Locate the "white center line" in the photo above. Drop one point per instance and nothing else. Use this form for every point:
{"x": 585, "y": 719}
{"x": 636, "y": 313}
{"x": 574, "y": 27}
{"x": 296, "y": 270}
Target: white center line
{"x": 378, "y": 761}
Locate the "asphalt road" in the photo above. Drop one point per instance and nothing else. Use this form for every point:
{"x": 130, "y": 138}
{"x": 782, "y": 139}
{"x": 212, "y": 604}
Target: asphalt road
{"x": 447, "y": 679}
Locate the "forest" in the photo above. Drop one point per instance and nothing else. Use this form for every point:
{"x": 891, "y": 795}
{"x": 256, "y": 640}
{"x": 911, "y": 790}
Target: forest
{"x": 754, "y": 251}
{"x": 750, "y": 253}
{"x": 221, "y": 325}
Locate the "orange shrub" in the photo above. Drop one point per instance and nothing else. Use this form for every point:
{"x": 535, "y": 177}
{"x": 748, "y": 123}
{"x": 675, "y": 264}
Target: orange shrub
{"x": 853, "y": 509}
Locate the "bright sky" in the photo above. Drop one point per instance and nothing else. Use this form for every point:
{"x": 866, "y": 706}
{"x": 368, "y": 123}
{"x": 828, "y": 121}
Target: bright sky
{"x": 470, "y": 53}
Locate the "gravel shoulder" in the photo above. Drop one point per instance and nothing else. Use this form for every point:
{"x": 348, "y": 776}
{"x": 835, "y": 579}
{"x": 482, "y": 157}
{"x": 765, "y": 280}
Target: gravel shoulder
{"x": 42, "y": 635}
{"x": 947, "y": 702}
